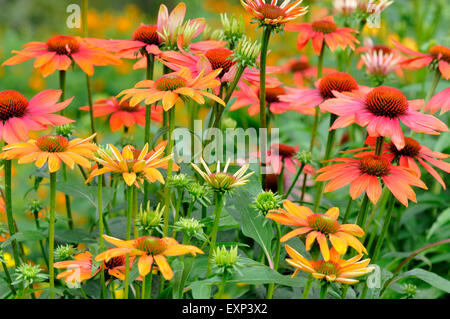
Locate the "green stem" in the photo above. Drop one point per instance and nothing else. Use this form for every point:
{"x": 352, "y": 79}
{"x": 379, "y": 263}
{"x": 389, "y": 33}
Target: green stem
{"x": 100, "y": 228}
{"x": 212, "y": 246}
{"x": 230, "y": 91}
{"x": 51, "y": 234}
{"x": 434, "y": 83}
{"x": 347, "y": 210}
{"x": 178, "y": 208}
{"x": 148, "y": 112}
{"x": 62, "y": 86}
{"x": 384, "y": 230}
{"x": 307, "y": 287}
{"x": 262, "y": 99}
{"x": 271, "y": 288}
{"x": 323, "y": 291}
{"x": 169, "y": 172}
{"x": 91, "y": 107}
{"x": 9, "y": 211}
{"x": 8, "y": 278}
{"x": 297, "y": 175}
{"x": 222, "y": 285}
{"x": 330, "y": 141}
{"x": 281, "y": 181}
{"x": 363, "y": 211}
{"x": 67, "y": 198}
{"x": 128, "y": 237}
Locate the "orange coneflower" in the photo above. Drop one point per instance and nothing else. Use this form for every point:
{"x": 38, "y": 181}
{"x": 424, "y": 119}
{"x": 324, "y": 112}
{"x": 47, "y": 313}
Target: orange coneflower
{"x": 149, "y": 249}
{"x": 80, "y": 269}
{"x": 52, "y": 149}
{"x": 18, "y": 115}
{"x": 323, "y": 31}
{"x": 408, "y": 156}
{"x": 320, "y": 227}
{"x": 172, "y": 87}
{"x": 335, "y": 269}
{"x": 122, "y": 114}
{"x": 59, "y": 52}
{"x": 272, "y": 13}
{"x": 302, "y": 70}
{"x": 364, "y": 173}
{"x": 440, "y": 101}
{"x": 133, "y": 167}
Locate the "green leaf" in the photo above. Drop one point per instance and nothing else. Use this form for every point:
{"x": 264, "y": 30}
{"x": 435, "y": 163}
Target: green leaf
{"x": 443, "y": 219}
{"x": 252, "y": 224}
{"x": 29, "y": 235}
{"x": 428, "y": 277}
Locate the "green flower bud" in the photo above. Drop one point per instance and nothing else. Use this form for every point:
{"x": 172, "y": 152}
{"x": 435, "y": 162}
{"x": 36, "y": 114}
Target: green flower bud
{"x": 226, "y": 260}
{"x": 64, "y": 252}
{"x": 28, "y": 274}
{"x": 233, "y": 29}
{"x": 199, "y": 193}
{"x": 149, "y": 219}
{"x": 266, "y": 201}
{"x": 304, "y": 157}
{"x": 65, "y": 130}
{"x": 35, "y": 206}
{"x": 246, "y": 52}
{"x": 180, "y": 181}
{"x": 409, "y": 290}
{"x": 228, "y": 122}
{"x": 189, "y": 226}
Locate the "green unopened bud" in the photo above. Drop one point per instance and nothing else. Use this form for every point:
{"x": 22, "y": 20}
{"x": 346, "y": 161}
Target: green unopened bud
{"x": 149, "y": 219}
{"x": 64, "y": 252}
{"x": 228, "y": 122}
{"x": 246, "y": 52}
{"x": 266, "y": 201}
{"x": 28, "y": 274}
{"x": 35, "y": 206}
{"x": 233, "y": 28}
{"x": 188, "y": 30}
{"x": 200, "y": 193}
{"x": 189, "y": 226}
{"x": 65, "y": 130}
{"x": 225, "y": 259}
{"x": 304, "y": 157}
{"x": 409, "y": 290}
{"x": 179, "y": 181}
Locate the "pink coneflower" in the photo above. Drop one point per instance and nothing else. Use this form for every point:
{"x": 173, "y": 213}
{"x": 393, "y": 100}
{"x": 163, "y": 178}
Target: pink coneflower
{"x": 305, "y": 100}
{"x": 439, "y": 101}
{"x": 379, "y": 63}
{"x": 323, "y": 30}
{"x": 302, "y": 70}
{"x": 272, "y": 13}
{"x": 379, "y": 58}
{"x": 408, "y": 156}
{"x": 438, "y": 54}
{"x": 60, "y": 51}
{"x": 18, "y": 115}
{"x": 248, "y": 95}
{"x": 381, "y": 110}
{"x": 122, "y": 114}
{"x": 364, "y": 173}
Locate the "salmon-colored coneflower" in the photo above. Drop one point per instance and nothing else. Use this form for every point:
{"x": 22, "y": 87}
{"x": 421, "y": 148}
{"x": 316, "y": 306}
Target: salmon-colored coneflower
{"x": 18, "y": 115}
{"x": 171, "y": 87}
{"x": 381, "y": 110}
{"x": 52, "y": 149}
{"x": 323, "y": 31}
{"x": 335, "y": 269}
{"x": 248, "y": 95}
{"x": 364, "y": 174}
{"x": 305, "y": 100}
{"x": 58, "y": 53}
{"x": 440, "y": 101}
{"x": 319, "y": 227}
{"x": 149, "y": 250}
{"x": 438, "y": 54}
{"x": 122, "y": 114}
{"x": 273, "y": 13}
{"x": 302, "y": 70}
